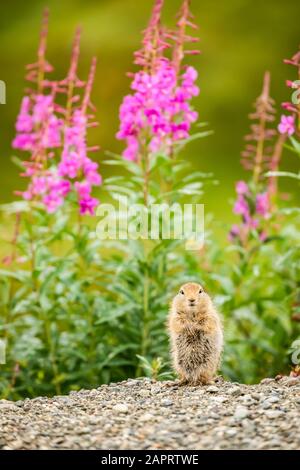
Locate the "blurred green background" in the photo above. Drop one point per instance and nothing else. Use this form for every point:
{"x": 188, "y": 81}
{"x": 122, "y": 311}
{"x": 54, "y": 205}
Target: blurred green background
{"x": 240, "y": 39}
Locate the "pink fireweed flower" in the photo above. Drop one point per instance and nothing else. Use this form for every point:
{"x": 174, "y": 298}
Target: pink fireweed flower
{"x": 241, "y": 207}
{"x": 70, "y": 165}
{"x": 52, "y": 202}
{"x": 159, "y": 107}
{"x": 263, "y": 205}
{"x": 253, "y": 209}
{"x": 188, "y": 88}
{"x": 50, "y": 189}
{"x": 37, "y": 124}
{"x": 51, "y": 137}
{"x": 132, "y": 148}
{"x": 24, "y": 120}
{"x": 39, "y": 185}
{"x": 234, "y": 232}
{"x": 242, "y": 187}
{"x": 88, "y": 205}
{"x": 57, "y": 191}
{"x": 25, "y": 142}
{"x": 287, "y": 125}
{"x": 90, "y": 170}
{"x": 83, "y": 189}
{"x": 75, "y": 164}
{"x": 42, "y": 108}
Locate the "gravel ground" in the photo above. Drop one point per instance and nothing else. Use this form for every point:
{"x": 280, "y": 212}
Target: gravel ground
{"x": 145, "y": 414}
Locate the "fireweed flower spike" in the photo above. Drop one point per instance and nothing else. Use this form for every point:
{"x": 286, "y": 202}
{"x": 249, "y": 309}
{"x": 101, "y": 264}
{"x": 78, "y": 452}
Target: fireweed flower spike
{"x": 72, "y": 83}
{"x": 39, "y": 131}
{"x": 75, "y": 163}
{"x": 158, "y": 112}
{"x": 253, "y": 209}
{"x": 291, "y": 124}
{"x": 36, "y": 108}
{"x": 185, "y": 20}
{"x": 153, "y": 42}
{"x": 257, "y": 154}
{"x": 36, "y": 71}
{"x": 253, "y": 202}
{"x": 51, "y": 132}
{"x": 274, "y": 166}
{"x": 287, "y": 126}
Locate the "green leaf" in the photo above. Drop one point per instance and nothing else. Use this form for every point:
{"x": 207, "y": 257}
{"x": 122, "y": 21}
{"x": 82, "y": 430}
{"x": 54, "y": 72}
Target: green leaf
{"x": 287, "y": 174}
{"x": 126, "y": 164}
{"x": 18, "y": 162}
{"x": 225, "y": 282}
{"x": 198, "y": 135}
{"x": 296, "y": 145}
{"x": 21, "y": 276}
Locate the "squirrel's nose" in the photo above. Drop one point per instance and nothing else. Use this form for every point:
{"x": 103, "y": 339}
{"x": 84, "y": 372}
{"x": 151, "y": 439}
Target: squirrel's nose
{"x": 192, "y": 301}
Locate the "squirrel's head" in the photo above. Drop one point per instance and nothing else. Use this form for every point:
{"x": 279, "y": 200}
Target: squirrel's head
{"x": 190, "y": 299}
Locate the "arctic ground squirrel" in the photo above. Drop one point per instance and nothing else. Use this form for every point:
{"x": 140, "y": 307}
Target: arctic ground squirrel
{"x": 196, "y": 335}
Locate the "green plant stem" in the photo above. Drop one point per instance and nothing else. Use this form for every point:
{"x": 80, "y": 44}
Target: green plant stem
{"x": 245, "y": 263}
{"x": 12, "y": 383}
{"x": 147, "y": 172}
{"x": 11, "y": 286}
{"x": 273, "y": 184}
{"x": 45, "y": 318}
{"x": 145, "y": 331}
{"x": 259, "y": 152}
{"x": 264, "y": 101}
{"x": 51, "y": 347}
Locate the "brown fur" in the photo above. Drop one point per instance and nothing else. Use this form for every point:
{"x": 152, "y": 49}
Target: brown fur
{"x": 196, "y": 335}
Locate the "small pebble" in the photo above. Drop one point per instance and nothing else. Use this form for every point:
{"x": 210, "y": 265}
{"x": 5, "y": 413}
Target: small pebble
{"x": 241, "y": 412}
{"x": 212, "y": 389}
{"x": 167, "y": 402}
{"x": 121, "y": 408}
{"x": 144, "y": 393}
{"x": 266, "y": 381}
{"x": 147, "y": 417}
{"x": 235, "y": 391}
{"x": 231, "y": 432}
{"x": 220, "y": 399}
{"x": 273, "y": 414}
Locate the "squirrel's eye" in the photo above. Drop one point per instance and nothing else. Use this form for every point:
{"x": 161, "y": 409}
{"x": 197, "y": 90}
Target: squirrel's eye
{"x": 200, "y": 291}
{"x": 181, "y": 292}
